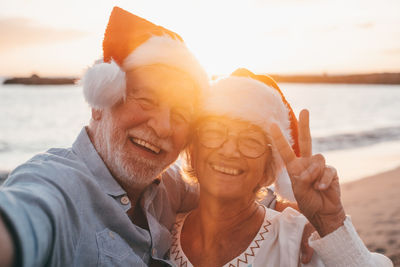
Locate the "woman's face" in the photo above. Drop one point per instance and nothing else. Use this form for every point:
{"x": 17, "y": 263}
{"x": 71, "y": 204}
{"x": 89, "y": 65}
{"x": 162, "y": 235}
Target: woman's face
{"x": 230, "y": 158}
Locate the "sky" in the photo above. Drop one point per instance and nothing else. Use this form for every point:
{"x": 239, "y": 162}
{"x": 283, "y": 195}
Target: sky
{"x": 63, "y": 38}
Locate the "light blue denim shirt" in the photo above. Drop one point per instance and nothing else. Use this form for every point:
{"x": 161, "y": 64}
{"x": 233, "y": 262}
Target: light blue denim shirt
{"x": 67, "y": 210}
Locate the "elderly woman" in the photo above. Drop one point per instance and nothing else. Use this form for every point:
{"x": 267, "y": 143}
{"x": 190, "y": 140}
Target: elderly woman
{"x": 246, "y": 137}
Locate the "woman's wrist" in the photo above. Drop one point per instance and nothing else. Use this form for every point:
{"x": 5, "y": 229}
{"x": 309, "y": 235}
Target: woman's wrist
{"x": 281, "y": 205}
{"x": 326, "y": 224}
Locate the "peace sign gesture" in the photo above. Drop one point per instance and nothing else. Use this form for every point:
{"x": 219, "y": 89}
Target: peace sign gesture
{"x": 315, "y": 185}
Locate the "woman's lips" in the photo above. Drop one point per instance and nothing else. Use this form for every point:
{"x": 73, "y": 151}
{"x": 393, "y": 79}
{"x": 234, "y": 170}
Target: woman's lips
{"x": 226, "y": 170}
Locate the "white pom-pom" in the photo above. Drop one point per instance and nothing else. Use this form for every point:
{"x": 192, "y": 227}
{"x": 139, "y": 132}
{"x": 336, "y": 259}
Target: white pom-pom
{"x": 283, "y": 186}
{"x": 104, "y": 84}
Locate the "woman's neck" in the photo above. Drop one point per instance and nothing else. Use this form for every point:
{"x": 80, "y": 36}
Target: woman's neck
{"x": 219, "y": 230}
{"x": 224, "y": 215}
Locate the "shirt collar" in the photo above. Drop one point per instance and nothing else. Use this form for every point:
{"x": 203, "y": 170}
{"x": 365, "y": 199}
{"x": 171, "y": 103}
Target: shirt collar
{"x": 85, "y": 150}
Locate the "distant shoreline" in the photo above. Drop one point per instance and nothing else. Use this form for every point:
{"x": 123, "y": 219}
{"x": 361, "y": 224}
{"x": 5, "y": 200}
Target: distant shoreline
{"x": 36, "y": 80}
{"x": 373, "y": 78}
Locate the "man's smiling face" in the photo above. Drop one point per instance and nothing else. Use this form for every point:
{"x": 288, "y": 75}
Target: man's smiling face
{"x": 141, "y": 136}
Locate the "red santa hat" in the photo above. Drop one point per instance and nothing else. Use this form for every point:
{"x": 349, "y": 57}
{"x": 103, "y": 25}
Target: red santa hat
{"x": 256, "y": 99}
{"x": 130, "y": 42}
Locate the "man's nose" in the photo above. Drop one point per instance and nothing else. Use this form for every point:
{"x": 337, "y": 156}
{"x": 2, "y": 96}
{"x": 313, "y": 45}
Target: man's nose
{"x": 230, "y": 148}
{"x": 160, "y": 122}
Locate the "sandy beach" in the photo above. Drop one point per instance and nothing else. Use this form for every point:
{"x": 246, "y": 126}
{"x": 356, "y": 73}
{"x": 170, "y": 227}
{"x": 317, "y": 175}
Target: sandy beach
{"x": 374, "y": 205}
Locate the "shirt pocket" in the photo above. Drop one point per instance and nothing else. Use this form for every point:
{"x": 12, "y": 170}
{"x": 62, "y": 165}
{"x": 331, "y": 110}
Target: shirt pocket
{"x": 114, "y": 251}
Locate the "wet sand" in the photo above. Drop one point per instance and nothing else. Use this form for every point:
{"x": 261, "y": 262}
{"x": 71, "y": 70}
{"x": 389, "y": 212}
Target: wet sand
{"x": 374, "y": 205}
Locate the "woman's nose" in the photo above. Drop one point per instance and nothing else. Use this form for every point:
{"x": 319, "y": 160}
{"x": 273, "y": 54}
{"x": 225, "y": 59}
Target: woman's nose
{"x": 230, "y": 148}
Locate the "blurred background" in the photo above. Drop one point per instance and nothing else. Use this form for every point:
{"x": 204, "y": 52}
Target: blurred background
{"x": 288, "y": 37}
{"x": 355, "y": 122}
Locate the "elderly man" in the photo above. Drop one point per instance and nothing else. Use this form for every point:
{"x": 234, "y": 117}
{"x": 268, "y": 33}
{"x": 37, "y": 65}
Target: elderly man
{"x": 75, "y": 206}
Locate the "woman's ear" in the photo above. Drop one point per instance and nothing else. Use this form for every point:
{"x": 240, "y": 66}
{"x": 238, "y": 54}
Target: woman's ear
{"x": 96, "y": 114}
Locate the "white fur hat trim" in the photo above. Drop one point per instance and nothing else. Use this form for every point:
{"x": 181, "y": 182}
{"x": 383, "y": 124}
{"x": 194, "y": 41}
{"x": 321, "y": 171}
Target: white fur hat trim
{"x": 249, "y": 100}
{"x": 168, "y": 51}
{"x": 283, "y": 185}
{"x": 104, "y": 84}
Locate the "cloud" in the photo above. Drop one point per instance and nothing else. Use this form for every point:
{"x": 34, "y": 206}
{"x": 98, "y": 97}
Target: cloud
{"x": 393, "y": 51}
{"x": 366, "y": 25}
{"x": 19, "y": 32}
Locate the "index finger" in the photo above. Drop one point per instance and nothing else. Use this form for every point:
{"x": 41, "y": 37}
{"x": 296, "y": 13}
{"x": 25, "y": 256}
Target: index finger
{"x": 304, "y": 134}
{"x": 282, "y": 145}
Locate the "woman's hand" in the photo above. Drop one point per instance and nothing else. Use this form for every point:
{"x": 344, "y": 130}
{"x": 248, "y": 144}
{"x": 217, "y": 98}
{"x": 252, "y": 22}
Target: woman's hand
{"x": 315, "y": 185}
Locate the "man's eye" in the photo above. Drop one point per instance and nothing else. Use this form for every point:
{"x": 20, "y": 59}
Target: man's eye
{"x": 180, "y": 116}
{"x": 146, "y": 103}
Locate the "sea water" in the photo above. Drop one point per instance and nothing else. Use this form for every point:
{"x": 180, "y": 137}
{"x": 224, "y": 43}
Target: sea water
{"x": 353, "y": 125}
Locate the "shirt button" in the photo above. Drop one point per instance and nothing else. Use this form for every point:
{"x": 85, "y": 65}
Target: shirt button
{"x": 153, "y": 252}
{"x": 124, "y": 200}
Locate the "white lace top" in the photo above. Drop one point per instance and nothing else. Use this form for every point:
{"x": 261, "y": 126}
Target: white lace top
{"x": 277, "y": 243}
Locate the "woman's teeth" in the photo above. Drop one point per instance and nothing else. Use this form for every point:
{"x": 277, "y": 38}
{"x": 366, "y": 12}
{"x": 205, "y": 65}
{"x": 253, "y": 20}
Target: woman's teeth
{"x": 147, "y": 145}
{"x": 226, "y": 170}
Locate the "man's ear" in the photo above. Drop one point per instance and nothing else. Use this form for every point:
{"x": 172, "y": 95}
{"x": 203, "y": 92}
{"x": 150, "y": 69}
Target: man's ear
{"x": 96, "y": 114}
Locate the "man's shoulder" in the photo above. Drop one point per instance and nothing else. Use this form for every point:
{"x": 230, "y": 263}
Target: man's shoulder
{"x": 173, "y": 172}
{"x": 54, "y": 158}
{"x": 56, "y": 164}
{"x": 171, "y": 181}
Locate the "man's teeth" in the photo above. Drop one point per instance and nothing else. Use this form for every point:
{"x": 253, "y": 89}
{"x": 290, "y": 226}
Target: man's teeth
{"x": 146, "y": 145}
{"x": 230, "y": 171}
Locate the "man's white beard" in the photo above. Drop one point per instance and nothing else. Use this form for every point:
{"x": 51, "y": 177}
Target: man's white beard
{"x": 127, "y": 168}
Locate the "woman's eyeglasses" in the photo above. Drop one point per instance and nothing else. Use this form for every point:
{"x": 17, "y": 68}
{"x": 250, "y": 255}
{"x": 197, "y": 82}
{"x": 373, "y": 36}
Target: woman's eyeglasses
{"x": 251, "y": 143}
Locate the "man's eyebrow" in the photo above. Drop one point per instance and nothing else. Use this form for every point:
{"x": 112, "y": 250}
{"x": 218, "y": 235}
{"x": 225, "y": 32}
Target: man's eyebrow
{"x": 134, "y": 89}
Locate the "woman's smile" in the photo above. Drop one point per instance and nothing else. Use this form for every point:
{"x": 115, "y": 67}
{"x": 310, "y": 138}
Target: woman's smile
{"x": 226, "y": 170}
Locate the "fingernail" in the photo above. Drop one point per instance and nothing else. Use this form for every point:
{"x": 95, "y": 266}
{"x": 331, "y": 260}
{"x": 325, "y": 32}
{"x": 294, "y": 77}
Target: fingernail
{"x": 322, "y": 186}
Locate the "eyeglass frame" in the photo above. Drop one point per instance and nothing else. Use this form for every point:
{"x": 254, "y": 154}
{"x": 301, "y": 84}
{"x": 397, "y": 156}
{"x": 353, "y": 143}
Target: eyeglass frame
{"x": 237, "y": 138}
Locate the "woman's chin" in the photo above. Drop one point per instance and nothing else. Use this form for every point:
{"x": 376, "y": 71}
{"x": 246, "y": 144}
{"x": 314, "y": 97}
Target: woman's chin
{"x": 224, "y": 185}
{"x": 222, "y": 191}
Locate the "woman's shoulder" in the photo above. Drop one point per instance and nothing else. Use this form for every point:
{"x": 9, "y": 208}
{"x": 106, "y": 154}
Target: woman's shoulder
{"x": 176, "y": 254}
{"x": 180, "y": 217}
{"x": 282, "y": 240}
{"x": 179, "y": 221}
